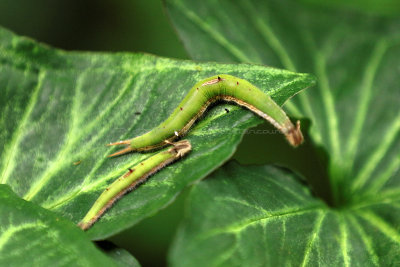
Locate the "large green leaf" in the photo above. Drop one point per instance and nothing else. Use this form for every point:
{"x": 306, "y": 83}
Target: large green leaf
{"x": 33, "y": 236}
{"x": 58, "y": 110}
{"x": 354, "y": 110}
{"x": 263, "y": 216}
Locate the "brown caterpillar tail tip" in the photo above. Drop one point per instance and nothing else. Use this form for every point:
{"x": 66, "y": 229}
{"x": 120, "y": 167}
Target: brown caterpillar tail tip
{"x": 121, "y": 152}
{"x": 294, "y": 136}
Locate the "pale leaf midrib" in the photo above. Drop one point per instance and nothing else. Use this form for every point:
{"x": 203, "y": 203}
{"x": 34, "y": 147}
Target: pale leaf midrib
{"x": 344, "y": 244}
{"x": 237, "y": 227}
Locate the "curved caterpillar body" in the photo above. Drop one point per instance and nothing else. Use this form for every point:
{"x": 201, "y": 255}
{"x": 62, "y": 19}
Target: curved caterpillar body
{"x": 131, "y": 179}
{"x": 220, "y": 87}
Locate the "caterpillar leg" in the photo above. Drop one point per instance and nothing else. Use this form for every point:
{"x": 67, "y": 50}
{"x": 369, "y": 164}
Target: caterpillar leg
{"x": 169, "y": 142}
{"x": 122, "y": 151}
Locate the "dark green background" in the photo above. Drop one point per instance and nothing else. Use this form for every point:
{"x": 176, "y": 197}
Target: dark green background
{"x": 142, "y": 26}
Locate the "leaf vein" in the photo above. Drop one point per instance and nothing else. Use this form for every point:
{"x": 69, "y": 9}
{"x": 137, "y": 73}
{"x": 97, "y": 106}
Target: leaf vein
{"x": 376, "y": 157}
{"x": 12, "y": 150}
{"x": 238, "y": 227}
{"x": 365, "y": 238}
{"x": 381, "y": 225}
{"x": 69, "y": 139}
{"x": 365, "y": 98}
{"x": 237, "y": 53}
{"x": 9, "y": 232}
{"x": 313, "y": 237}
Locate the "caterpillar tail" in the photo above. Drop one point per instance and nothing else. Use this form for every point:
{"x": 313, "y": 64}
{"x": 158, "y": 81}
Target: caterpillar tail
{"x": 294, "y": 135}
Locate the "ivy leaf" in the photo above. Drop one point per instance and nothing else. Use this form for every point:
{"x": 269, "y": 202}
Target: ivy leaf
{"x": 354, "y": 110}
{"x": 59, "y": 109}
{"x": 263, "y": 216}
{"x": 33, "y": 236}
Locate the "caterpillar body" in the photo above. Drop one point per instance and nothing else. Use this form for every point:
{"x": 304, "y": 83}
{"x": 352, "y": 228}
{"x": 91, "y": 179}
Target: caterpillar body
{"x": 220, "y": 87}
{"x": 132, "y": 178}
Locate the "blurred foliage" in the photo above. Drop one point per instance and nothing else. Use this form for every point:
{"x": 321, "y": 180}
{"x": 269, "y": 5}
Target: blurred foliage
{"x": 95, "y": 25}
{"x": 373, "y": 7}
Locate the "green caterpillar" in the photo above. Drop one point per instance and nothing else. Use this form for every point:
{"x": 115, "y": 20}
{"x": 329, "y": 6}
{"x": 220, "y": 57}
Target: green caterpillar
{"x": 131, "y": 179}
{"x": 220, "y": 87}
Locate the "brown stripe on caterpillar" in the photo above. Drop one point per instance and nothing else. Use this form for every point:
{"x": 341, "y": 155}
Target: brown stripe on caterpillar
{"x": 213, "y": 81}
{"x": 293, "y": 135}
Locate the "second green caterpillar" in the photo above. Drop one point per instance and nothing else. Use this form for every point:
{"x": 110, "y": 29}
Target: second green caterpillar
{"x": 220, "y": 87}
{"x": 131, "y": 179}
